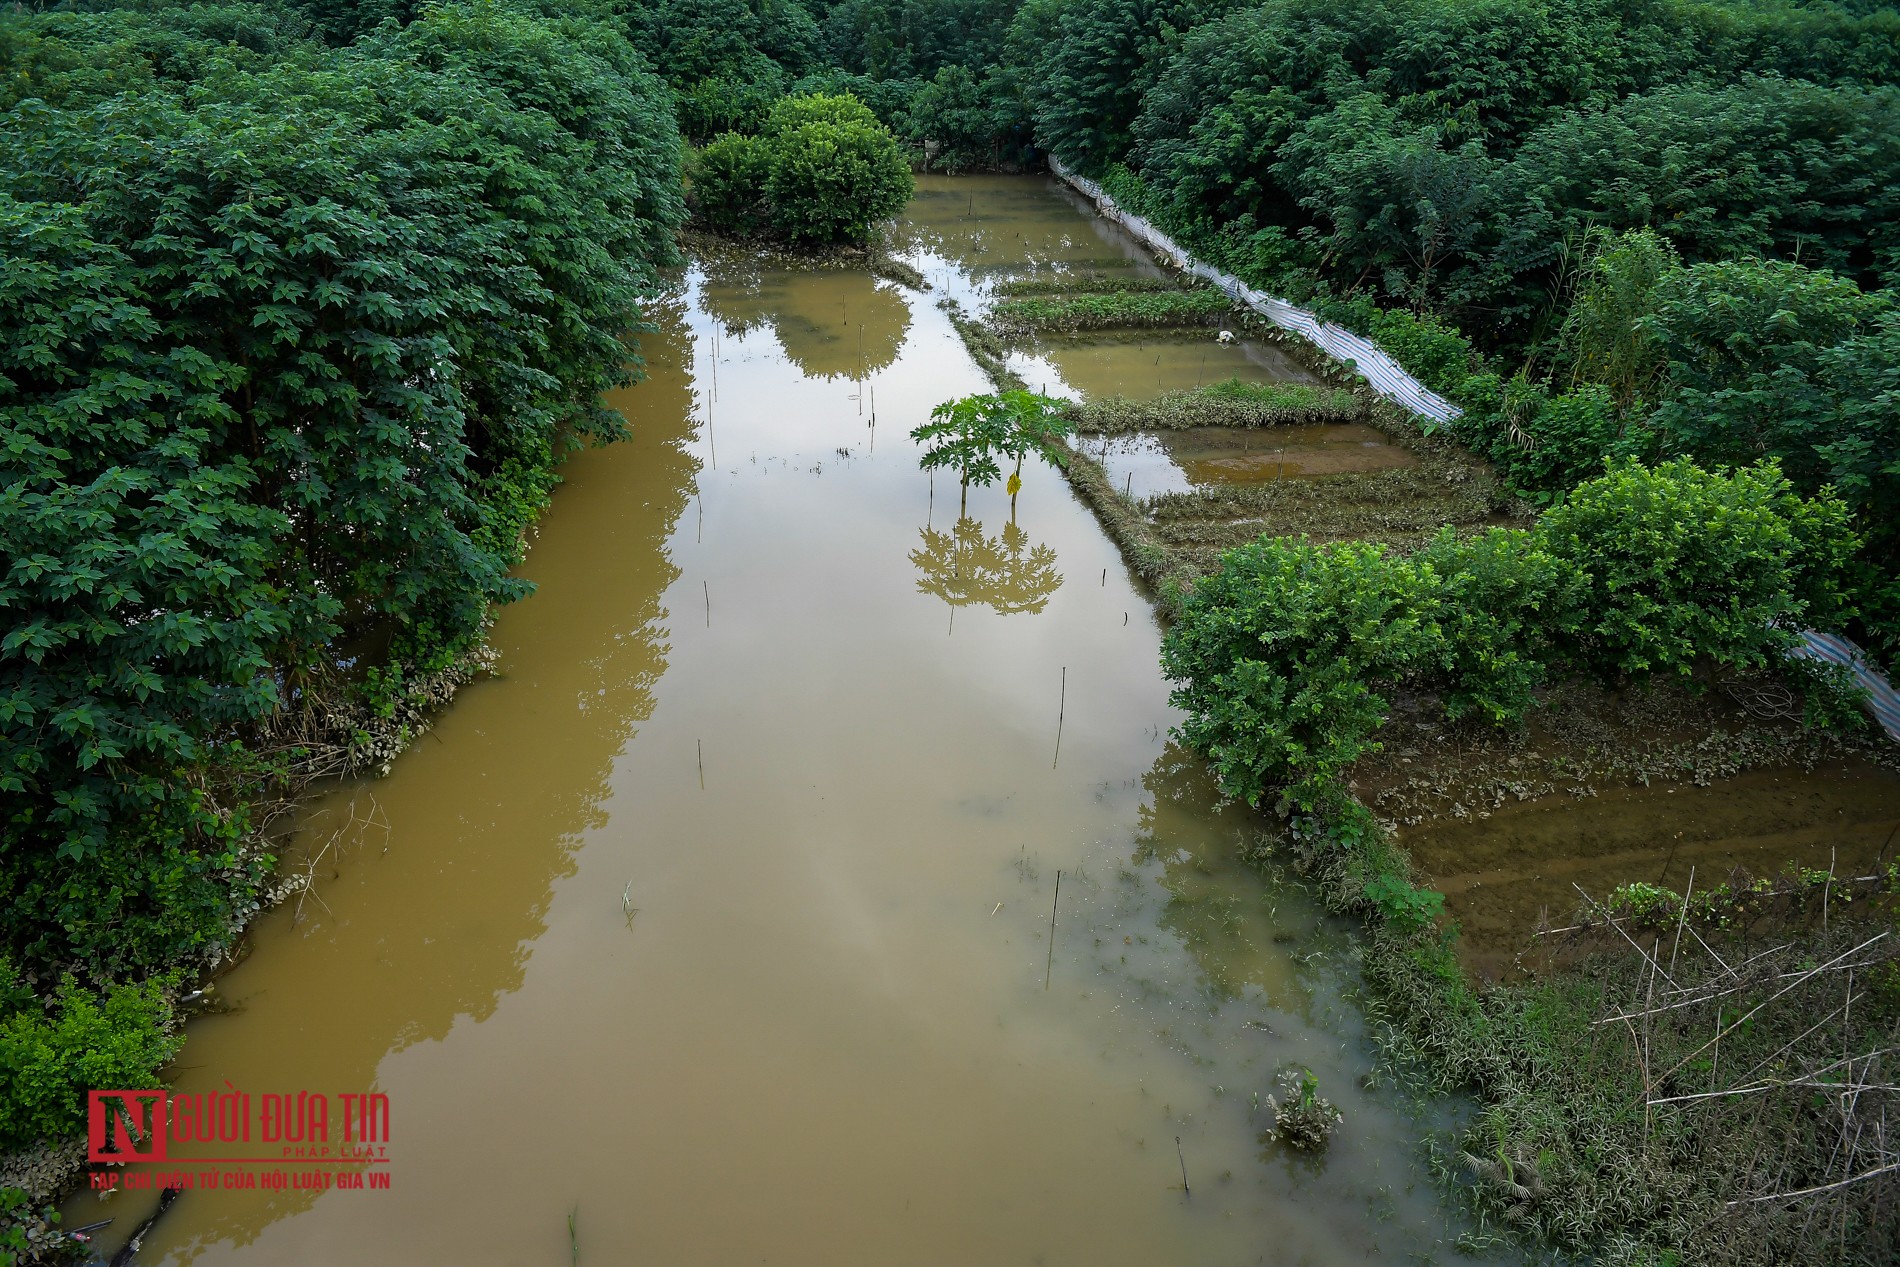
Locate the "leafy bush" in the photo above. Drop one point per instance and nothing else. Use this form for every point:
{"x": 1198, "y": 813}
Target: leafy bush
{"x": 1403, "y": 906}
{"x": 1686, "y": 565}
{"x": 49, "y": 1059}
{"x": 1280, "y": 657}
{"x": 822, "y": 169}
{"x": 1507, "y": 606}
{"x": 728, "y": 182}
{"x": 1283, "y": 657}
{"x": 832, "y": 171}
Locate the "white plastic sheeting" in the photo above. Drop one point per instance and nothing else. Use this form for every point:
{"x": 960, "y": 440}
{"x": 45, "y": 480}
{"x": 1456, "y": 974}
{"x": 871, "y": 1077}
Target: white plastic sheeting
{"x": 1834, "y": 649}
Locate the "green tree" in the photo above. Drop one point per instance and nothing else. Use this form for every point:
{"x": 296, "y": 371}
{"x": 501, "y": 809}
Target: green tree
{"x": 832, "y": 170}
{"x": 1607, "y": 336}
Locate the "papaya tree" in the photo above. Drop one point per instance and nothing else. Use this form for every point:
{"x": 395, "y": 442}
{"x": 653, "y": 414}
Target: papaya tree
{"x": 969, "y": 434}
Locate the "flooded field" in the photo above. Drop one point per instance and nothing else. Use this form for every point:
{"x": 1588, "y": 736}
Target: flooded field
{"x": 1142, "y": 369}
{"x": 723, "y": 925}
{"x": 1207, "y": 457}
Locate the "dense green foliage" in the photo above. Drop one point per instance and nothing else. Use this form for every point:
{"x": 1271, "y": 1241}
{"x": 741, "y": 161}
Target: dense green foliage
{"x": 49, "y": 1059}
{"x": 1284, "y": 657}
{"x": 821, "y": 169}
{"x": 292, "y": 339}
{"x": 1550, "y": 214}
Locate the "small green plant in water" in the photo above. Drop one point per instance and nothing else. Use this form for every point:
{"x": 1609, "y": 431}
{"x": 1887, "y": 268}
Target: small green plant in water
{"x": 1302, "y": 1116}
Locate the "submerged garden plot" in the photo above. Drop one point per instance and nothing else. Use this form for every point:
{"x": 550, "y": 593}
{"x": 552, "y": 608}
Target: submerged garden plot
{"x": 1200, "y": 430}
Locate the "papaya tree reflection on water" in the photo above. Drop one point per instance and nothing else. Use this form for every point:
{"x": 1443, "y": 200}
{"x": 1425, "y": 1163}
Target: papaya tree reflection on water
{"x": 965, "y": 566}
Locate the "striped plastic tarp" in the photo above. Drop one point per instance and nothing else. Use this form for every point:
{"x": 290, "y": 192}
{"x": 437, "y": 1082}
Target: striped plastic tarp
{"x": 1380, "y": 370}
{"x": 1392, "y": 382}
{"x": 1834, "y": 649}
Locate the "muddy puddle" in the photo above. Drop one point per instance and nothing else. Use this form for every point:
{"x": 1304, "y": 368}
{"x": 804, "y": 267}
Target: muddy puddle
{"x": 716, "y": 927}
{"x": 1146, "y": 464}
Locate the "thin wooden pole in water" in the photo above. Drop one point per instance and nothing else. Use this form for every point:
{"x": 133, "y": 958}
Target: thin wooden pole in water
{"x": 707, "y": 590}
{"x": 1062, "y": 709}
{"x": 1050, "y": 966}
{"x": 700, "y": 745}
{"x": 1180, "y": 1157}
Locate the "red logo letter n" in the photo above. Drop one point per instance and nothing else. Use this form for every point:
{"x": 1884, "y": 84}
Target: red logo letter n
{"x": 125, "y": 1126}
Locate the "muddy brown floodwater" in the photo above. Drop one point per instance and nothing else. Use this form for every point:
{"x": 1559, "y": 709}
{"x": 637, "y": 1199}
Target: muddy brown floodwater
{"x": 1209, "y": 457}
{"x": 719, "y": 919}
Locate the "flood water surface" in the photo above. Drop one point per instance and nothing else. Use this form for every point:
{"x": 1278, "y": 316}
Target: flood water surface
{"x": 1206, "y": 457}
{"x": 716, "y": 927}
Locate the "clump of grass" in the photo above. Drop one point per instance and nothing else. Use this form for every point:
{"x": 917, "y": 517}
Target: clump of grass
{"x": 1146, "y": 310}
{"x": 1087, "y": 282}
{"x": 1303, "y": 1117}
{"x": 892, "y": 269}
{"x": 1230, "y": 403}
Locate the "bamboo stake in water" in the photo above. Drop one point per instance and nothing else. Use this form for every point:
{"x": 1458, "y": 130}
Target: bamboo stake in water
{"x": 1178, "y": 1156}
{"x": 707, "y": 590}
{"x": 700, "y": 744}
{"x": 1050, "y": 966}
{"x": 1062, "y": 709}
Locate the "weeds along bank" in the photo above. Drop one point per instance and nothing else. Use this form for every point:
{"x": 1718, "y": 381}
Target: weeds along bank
{"x": 294, "y": 342}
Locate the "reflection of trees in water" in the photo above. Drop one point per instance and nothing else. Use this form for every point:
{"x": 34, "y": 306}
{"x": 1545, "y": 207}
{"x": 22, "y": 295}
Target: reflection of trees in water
{"x": 832, "y": 322}
{"x": 965, "y": 567}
